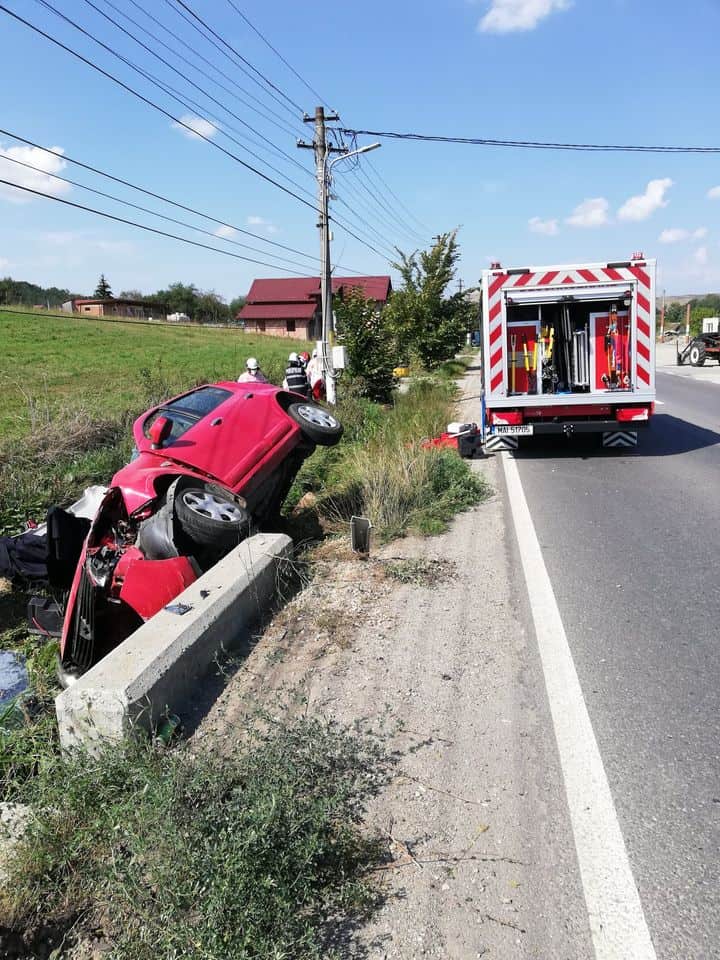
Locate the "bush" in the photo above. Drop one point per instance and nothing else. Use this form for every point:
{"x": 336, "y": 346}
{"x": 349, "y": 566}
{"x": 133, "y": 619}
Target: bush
{"x": 372, "y": 354}
{"x": 172, "y": 855}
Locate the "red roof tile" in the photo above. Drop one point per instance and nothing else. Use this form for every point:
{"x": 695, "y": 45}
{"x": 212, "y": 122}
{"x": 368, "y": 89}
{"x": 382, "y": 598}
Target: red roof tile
{"x": 286, "y": 290}
{"x": 277, "y": 311}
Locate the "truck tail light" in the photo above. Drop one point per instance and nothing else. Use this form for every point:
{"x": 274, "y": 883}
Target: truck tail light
{"x": 630, "y": 414}
{"x": 507, "y": 418}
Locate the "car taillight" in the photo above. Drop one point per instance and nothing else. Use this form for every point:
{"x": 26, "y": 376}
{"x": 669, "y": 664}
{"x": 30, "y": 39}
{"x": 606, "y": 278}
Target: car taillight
{"x": 629, "y": 414}
{"x": 508, "y": 418}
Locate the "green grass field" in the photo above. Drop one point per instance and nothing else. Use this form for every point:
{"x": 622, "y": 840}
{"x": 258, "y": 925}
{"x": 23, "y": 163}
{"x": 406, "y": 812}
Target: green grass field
{"x": 106, "y": 367}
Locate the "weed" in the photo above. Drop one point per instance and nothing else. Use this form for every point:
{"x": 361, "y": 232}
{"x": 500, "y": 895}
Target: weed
{"x": 173, "y": 855}
{"x": 420, "y": 570}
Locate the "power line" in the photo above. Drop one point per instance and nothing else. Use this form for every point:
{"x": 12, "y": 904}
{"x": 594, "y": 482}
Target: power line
{"x": 275, "y": 51}
{"x": 530, "y": 144}
{"x": 369, "y": 188}
{"x": 271, "y": 115}
{"x": 154, "y": 213}
{"x": 269, "y": 82}
{"x": 150, "y": 193}
{"x": 376, "y": 173}
{"x": 152, "y": 104}
{"x": 143, "y": 226}
{"x": 181, "y": 98}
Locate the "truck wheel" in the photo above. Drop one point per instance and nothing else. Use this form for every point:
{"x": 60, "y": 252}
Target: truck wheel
{"x": 210, "y": 517}
{"x": 697, "y": 354}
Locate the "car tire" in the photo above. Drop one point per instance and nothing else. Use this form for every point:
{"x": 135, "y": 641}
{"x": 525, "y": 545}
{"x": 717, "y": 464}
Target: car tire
{"x": 697, "y": 354}
{"x": 317, "y": 423}
{"x": 210, "y": 516}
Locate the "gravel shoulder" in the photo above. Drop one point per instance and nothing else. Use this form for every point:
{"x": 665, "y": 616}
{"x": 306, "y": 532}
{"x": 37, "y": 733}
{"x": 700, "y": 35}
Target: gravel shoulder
{"x": 481, "y": 858}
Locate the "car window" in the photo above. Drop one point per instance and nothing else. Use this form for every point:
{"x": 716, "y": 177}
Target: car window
{"x": 200, "y": 402}
{"x": 186, "y": 411}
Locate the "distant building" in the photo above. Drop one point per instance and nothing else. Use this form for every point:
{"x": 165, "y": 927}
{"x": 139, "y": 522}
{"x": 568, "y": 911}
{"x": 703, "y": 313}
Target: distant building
{"x": 113, "y": 307}
{"x": 291, "y": 307}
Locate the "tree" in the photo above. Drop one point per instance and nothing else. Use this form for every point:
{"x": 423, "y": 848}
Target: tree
{"x": 102, "y": 290}
{"x": 674, "y": 315}
{"x": 363, "y": 330}
{"x": 236, "y": 305}
{"x": 426, "y": 322}
{"x": 130, "y": 295}
{"x": 211, "y": 308}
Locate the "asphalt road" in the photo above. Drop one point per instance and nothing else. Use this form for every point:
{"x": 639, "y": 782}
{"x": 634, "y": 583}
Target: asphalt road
{"x": 631, "y": 541}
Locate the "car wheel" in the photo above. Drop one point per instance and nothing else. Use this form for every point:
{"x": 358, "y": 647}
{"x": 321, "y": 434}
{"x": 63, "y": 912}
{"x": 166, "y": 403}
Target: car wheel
{"x": 210, "y": 517}
{"x": 697, "y": 354}
{"x": 318, "y": 424}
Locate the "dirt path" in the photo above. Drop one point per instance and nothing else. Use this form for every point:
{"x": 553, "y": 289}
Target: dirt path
{"x": 483, "y": 862}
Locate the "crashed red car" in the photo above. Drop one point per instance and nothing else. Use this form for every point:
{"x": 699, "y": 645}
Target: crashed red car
{"x": 210, "y": 467}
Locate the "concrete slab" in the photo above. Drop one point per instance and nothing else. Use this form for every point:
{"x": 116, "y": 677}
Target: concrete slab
{"x": 156, "y": 670}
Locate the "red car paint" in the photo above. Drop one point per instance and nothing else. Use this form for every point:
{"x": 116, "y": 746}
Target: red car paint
{"x": 240, "y": 444}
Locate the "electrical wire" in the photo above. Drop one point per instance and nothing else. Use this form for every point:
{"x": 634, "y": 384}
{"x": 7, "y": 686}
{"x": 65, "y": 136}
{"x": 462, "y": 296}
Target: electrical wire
{"x": 197, "y": 54}
{"x": 376, "y": 173}
{"x": 143, "y": 226}
{"x": 151, "y": 103}
{"x": 386, "y": 213}
{"x": 184, "y": 99}
{"x": 181, "y": 3}
{"x": 150, "y": 193}
{"x": 531, "y": 144}
{"x": 154, "y": 213}
{"x": 276, "y": 52}
{"x": 270, "y": 116}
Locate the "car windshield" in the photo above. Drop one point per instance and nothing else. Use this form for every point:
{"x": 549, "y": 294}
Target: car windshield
{"x": 186, "y": 411}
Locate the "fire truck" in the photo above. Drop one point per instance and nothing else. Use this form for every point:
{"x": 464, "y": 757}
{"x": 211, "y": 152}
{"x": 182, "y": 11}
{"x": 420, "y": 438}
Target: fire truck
{"x": 568, "y": 350}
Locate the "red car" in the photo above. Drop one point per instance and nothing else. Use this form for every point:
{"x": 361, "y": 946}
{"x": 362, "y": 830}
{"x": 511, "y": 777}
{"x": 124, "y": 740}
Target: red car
{"x": 210, "y": 467}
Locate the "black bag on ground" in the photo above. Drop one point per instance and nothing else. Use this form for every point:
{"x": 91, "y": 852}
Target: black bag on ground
{"x": 65, "y": 538}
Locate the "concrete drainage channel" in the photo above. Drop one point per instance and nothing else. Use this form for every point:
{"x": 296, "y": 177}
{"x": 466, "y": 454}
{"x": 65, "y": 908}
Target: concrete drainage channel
{"x": 156, "y": 670}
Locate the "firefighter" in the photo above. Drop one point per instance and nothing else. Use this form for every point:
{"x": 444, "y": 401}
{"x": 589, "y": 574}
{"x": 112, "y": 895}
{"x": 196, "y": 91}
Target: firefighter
{"x": 252, "y": 373}
{"x": 295, "y": 376}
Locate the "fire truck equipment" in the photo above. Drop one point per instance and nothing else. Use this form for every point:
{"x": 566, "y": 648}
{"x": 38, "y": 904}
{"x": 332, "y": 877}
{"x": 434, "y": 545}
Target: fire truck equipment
{"x": 513, "y": 341}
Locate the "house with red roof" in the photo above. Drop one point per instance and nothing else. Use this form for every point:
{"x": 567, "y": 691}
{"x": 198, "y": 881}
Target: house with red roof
{"x": 291, "y": 307}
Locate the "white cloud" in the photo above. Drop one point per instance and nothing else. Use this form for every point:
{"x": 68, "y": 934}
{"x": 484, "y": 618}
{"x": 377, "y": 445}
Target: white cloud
{"x": 225, "y": 232}
{"x": 4, "y": 263}
{"x": 199, "y": 127}
{"x": 508, "y": 16}
{"x": 674, "y": 235}
{"x": 645, "y": 204}
{"x": 701, "y": 256}
{"x": 267, "y": 225}
{"x": 547, "y": 227}
{"x": 61, "y": 238}
{"x": 40, "y": 179}
{"x": 678, "y": 234}
{"x": 714, "y": 193}
{"x": 589, "y": 213}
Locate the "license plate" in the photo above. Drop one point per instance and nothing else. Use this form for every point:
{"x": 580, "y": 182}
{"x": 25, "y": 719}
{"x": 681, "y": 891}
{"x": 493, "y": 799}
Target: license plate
{"x": 513, "y": 430}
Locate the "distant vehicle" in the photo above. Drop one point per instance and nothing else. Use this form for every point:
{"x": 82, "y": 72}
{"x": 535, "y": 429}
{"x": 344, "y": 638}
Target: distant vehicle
{"x": 672, "y": 334}
{"x": 704, "y": 347}
{"x": 209, "y": 467}
{"x": 568, "y": 349}
{"x": 178, "y": 318}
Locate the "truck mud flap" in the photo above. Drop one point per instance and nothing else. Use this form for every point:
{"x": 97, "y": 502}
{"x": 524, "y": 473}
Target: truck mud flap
{"x": 505, "y": 442}
{"x": 620, "y": 438}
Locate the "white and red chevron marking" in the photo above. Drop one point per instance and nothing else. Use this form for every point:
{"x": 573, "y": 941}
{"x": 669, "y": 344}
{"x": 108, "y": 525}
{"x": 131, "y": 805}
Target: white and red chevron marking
{"x": 502, "y": 282}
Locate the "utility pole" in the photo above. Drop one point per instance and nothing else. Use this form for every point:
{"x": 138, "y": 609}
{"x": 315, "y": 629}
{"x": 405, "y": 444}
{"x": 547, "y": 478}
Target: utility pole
{"x": 322, "y": 150}
{"x": 460, "y": 285}
{"x": 662, "y": 317}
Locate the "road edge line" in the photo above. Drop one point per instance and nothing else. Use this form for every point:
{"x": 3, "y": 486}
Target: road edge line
{"x": 617, "y": 921}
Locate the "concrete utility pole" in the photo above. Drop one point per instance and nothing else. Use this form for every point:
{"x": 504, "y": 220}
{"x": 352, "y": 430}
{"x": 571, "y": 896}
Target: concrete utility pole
{"x": 322, "y": 171}
{"x": 322, "y": 150}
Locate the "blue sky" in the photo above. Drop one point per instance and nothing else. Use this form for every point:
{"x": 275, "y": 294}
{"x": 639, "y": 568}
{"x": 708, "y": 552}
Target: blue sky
{"x": 613, "y": 71}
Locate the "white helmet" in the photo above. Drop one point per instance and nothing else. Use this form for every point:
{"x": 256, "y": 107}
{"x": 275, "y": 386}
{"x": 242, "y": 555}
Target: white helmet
{"x": 293, "y": 358}
{"x": 252, "y": 364}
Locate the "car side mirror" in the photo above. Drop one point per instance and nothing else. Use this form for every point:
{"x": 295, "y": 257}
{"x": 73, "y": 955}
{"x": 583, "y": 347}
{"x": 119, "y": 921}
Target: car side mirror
{"x": 160, "y": 431}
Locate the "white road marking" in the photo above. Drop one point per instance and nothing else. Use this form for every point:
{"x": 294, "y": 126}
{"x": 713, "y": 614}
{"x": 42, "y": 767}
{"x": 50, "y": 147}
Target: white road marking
{"x": 617, "y": 922}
